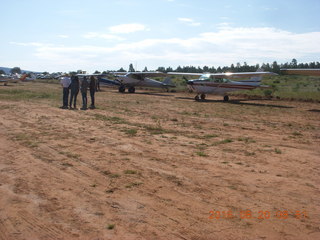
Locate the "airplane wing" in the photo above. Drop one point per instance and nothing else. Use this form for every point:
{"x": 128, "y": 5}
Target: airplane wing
{"x": 226, "y": 75}
{"x": 89, "y": 75}
{"x": 185, "y": 74}
{"x": 142, "y": 75}
{"x": 308, "y": 72}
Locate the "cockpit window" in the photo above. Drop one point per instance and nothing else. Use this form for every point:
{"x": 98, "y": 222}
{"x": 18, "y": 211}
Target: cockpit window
{"x": 205, "y": 77}
{"x": 208, "y": 77}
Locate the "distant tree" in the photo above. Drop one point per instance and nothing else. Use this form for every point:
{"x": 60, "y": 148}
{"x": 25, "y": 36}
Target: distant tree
{"x": 121, "y": 70}
{"x": 275, "y": 67}
{"x": 213, "y": 69}
{"x": 232, "y": 68}
{"x": 238, "y": 67}
{"x": 294, "y": 63}
{"x": 145, "y": 69}
{"x": 205, "y": 69}
{"x": 179, "y": 69}
{"x": 131, "y": 68}
{"x": 15, "y": 70}
{"x": 169, "y": 69}
{"x": 161, "y": 69}
{"x": 96, "y": 72}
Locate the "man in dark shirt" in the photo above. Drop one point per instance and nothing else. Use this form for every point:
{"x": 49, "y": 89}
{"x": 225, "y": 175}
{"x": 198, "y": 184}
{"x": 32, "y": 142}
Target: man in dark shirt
{"x": 92, "y": 87}
{"x": 75, "y": 86}
{"x": 84, "y": 88}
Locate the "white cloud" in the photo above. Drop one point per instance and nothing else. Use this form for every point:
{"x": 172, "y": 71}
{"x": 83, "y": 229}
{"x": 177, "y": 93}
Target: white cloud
{"x": 63, "y": 36}
{"x": 93, "y": 35}
{"x": 128, "y": 28}
{"x": 223, "y": 47}
{"x": 189, "y": 21}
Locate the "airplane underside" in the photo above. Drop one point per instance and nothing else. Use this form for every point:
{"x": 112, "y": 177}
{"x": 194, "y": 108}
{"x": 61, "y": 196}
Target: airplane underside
{"x": 131, "y": 89}
{"x": 202, "y": 97}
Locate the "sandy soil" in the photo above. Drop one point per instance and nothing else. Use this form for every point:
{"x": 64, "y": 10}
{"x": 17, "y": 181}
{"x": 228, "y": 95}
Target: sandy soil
{"x": 159, "y": 166}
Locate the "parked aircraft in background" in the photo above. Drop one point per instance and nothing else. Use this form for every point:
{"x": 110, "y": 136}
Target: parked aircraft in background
{"x": 223, "y": 83}
{"x": 300, "y": 71}
{"x": 5, "y": 79}
{"x": 131, "y": 80}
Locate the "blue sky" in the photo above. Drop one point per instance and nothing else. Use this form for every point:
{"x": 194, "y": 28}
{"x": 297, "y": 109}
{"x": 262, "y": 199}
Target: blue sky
{"x": 68, "y": 35}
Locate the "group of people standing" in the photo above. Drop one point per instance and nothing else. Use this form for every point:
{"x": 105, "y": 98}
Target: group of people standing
{"x": 72, "y": 86}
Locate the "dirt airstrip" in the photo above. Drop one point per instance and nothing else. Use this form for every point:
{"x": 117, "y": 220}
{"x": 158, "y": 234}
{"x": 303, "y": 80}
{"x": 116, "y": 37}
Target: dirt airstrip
{"x": 157, "y": 165}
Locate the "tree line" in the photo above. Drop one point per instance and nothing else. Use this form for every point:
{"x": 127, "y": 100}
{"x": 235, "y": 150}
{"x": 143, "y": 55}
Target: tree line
{"x": 274, "y": 67}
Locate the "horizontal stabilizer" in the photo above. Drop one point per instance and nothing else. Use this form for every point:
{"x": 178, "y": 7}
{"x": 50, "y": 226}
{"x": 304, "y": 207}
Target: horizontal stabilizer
{"x": 109, "y": 82}
{"x": 168, "y": 82}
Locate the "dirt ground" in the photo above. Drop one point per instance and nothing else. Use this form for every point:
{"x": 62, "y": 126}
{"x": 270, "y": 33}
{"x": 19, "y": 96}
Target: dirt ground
{"x": 158, "y": 165}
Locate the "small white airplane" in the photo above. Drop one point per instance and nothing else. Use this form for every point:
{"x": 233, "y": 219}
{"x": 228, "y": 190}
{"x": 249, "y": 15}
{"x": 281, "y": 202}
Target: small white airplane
{"x": 132, "y": 79}
{"x": 300, "y": 71}
{"x": 223, "y": 83}
{"x": 5, "y": 79}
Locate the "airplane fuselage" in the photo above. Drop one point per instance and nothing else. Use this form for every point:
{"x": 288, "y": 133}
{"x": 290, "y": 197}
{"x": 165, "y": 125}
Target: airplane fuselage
{"x": 219, "y": 88}
{"x": 146, "y": 82}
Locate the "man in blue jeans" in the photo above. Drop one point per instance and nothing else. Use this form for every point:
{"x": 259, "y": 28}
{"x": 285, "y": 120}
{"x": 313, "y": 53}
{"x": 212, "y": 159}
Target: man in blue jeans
{"x": 65, "y": 83}
{"x": 84, "y": 88}
{"x": 74, "y": 86}
{"x": 92, "y": 87}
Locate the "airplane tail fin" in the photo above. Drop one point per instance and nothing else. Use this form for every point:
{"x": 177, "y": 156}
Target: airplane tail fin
{"x": 168, "y": 82}
{"x": 24, "y": 76}
{"x": 256, "y": 79}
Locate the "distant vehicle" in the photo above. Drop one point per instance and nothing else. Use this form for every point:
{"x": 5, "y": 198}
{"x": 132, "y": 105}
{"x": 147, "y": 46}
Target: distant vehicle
{"x": 131, "y": 80}
{"x": 300, "y": 71}
{"x": 223, "y": 83}
{"x": 16, "y": 78}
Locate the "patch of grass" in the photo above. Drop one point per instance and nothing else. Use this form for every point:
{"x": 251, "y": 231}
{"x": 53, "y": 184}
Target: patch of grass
{"x": 208, "y": 136}
{"x": 110, "y": 174}
{"x": 222, "y": 142}
{"x": 246, "y": 140}
{"x": 130, "y": 172}
{"x": 134, "y": 184}
{"x": 3, "y": 107}
{"x": 67, "y": 164}
{"x": 114, "y": 175}
{"x": 202, "y": 154}
{"x": 249, "y": 153}
{"x": 111, "y": 190}
{"x": 277, "y": 151}
{"x": 111, "y": 226}
{"x": 114, "y": 120}
{"x": 131, "y": 132}
{"x": 233, "y": 187}
{"x": 297, "y": 134}
{"x": 24, "y": 94}
{"x": 70, "y": 155}
{"x": 155, "y": 129}
{"x": 25, "y": 140}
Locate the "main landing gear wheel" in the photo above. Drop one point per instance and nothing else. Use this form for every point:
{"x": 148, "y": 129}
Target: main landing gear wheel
{"x": 197, "y": 98}
{"x": 203, "y": 96}
{"x": 226, "y": 98}
{"x": 122, "y": 89}
{"x": 131, "y": 90}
